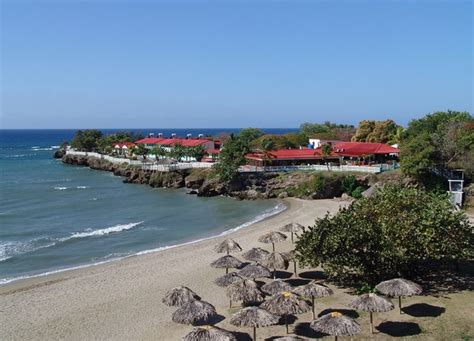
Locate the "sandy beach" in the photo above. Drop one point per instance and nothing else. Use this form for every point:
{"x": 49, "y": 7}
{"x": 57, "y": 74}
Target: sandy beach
{"x": 122, "y": 300}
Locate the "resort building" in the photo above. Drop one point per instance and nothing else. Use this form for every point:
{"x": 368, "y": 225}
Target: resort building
{"x": 123, "y": 148}
{"x": 350, "y": 153}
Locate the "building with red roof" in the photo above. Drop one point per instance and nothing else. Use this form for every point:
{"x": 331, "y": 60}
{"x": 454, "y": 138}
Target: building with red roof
{"x": 348, "y": 151}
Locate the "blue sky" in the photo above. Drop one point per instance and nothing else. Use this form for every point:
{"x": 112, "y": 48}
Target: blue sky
{"x": 184, "y": 64}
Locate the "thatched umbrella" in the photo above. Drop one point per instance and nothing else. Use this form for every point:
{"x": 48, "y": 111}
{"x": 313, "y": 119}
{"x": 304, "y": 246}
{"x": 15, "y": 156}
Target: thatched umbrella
{"x": 255, "y": 271}
{"x": 254, "y": 317}
{"x": 194, "y": 311}
{"x": 286, "y": 303}
{"x": 246, "y": 291}
{"x": 399, "y": 287}
{"x": 335, "y": 324}
{"x": 228, "y": 245}
{"x": 292, "y": 228}
{"x": 290, "y": 256}
{"x": 371, "y": 303}
{"x": 228, "y": 279}
{"x": 289, "y": 338}
{"x": 209, "y": 333}
{"x": 313, "y": 289}
{"x": 275, "y": 287}
{"x": 275, "y": 260}
{"x": 179, "y": 296}
{"x": 272, "y": 237}
{"x": 226, "y": 262}
{"x": 255, "y": 254}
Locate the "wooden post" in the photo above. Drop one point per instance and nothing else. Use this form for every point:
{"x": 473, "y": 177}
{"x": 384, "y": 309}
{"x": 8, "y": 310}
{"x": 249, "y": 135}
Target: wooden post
{"x": 273, "y": 246}
{"x": 254, "y": 333}
{"x": 230, "y": 303}
{"x": 292, "y": 242}
{"x": 294, "y": 268}
{"x": 286, "y": 323}
{"x": 371, "y": 323}
{"x": 226, "y": 271}
{"x": 400, "y": 304}
{"x": 312, "y": 307}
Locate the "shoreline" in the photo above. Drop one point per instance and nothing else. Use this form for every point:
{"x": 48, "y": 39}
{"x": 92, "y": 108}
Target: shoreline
{"x": 259, "y": 218}
{"x": 122, "y": 300}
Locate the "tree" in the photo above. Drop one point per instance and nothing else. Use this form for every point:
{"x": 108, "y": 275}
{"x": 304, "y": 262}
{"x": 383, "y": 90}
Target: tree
{"x": 391, "y": 234}
{"x": 267, "y": 146}
{"x": 438, "y": 140}
{"x": 87, "y": 140}
{"x": 248, "y": 135}
{"x": 326, "y": 151}
{"x": 140, "y": 150}
{"x": 231, "y": 157}
{"x": 159, "y": 151}
{"x": 77, "y": 140}
{"x": 178, "y": 151}
{"x": 196, "y": 152}
{"x": 376, "y": 131}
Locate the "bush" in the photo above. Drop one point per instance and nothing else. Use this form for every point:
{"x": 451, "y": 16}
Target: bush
{"x": 357, "y": 193}
{"x": 349, "y": 184}
{"x": 390, "y": 234}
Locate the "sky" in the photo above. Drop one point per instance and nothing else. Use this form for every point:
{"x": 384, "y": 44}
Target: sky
{"x": 219, "y": 64}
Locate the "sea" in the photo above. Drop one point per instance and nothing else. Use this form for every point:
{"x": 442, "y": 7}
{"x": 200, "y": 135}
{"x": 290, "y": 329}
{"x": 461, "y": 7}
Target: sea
{"x": 55, "y": 217}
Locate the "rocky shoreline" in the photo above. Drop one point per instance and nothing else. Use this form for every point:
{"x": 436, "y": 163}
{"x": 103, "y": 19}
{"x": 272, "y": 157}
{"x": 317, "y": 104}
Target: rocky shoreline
{"x": 202, "y": 182}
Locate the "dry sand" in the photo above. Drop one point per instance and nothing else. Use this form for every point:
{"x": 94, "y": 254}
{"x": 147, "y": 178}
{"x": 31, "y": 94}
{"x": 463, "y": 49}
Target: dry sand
{"x": 122, "y": 300}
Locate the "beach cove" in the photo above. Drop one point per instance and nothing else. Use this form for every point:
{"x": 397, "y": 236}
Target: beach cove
{"x": 121, "y": 300}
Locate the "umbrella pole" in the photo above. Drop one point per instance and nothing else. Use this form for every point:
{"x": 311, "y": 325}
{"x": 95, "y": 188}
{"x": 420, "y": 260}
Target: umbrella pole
{"x": 312, "y": 307}
{"x": 254, "y": 333}
{"x": 226, "y": 271}
{"x": 335, "y": 338}
{"x": 400, "y": 304}
{"x": 274, "y": 273}
{"x": 292, "y": 238}
{"x": 371, "y": 323}
{"x": 286, "y": 323}
{"x": 273, "y": 246}
{"x": 230, "y": 303}
{"x": 294, "y": 268}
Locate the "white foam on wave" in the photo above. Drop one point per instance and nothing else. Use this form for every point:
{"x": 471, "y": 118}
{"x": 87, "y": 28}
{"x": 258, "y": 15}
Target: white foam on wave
{"x": 101, "y": 232}
{"x": 82, "y": 187}
{"x": 280, "y": 207}
{"x": 41, "y": 149}
{"x": 11, "y": 249}
{"x": 59, "y": 188}
{"x": 55, "y": 147}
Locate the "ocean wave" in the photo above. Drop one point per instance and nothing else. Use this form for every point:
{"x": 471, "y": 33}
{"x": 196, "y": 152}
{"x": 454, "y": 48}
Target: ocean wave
{"x": 101, "y": 232}
{"x": 82, "y": 187}
{"x": 11, "y": 249}
{"x": 59, "y": 188}
{"x": 63, "y": 188}
{"x": 42, "y": 148}
{"x": 55, "y": 147}
{"x": 280, "y": 207}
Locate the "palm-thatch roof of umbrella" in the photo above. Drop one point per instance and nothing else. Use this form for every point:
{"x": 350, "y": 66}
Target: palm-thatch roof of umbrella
{"x": 193, "y": 312}
{"x": 286, "y": 303}
{"x": 289, "y": 338}
{"x": 272, "y": 237}
{"x": 246, "y": 291}
{"x": 228, "y": 279}
{"x": 399, "y": 287}
{"x": 335, "y": 324}
{"x": 290, "y": 256}
{"x": 228, "y": 245}
{"x": 255, "y": 271}
{"x": 179, "y": 296}
{"x": 255, "y": 254}
{"x": 292, "y": 228}
{"x": 209, "y": 333}
{"x": 313, "y": 289}
{"x": 254, "y": 317}
{"x": 275, "y": 287}
{"x": 372, "y": 303}
{"x": 275, "y": 261}
{"x": 226, "y": 262}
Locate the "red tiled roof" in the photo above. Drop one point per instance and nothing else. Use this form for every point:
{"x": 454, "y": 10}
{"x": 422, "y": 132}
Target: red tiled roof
{"x": 363, "y": 148}
{"x": 122, "y": 144}
{"x": 289, "y": 154}
{"x": 213, "y": 151}
{"x": 184, "y": 142}
{"x": 150, "y": 140}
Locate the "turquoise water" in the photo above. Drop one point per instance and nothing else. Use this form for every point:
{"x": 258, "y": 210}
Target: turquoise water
{"x": 55, "y": 216}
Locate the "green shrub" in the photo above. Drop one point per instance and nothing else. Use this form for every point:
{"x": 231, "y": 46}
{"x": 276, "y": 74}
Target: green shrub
{"x": 390, "y": 234}
{"x": 349, "y": 184}
{"x": 357, "y": 193}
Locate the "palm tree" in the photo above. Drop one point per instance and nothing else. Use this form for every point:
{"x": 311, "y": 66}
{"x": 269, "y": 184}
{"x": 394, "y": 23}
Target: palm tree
{"x": 326, "y": 150}
{"x": 267, "y": 146}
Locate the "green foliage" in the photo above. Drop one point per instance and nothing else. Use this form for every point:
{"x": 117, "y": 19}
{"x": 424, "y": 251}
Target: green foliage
{"x": 140, "y": 150}
{"x": 178, "y": 151}
{"x": 196, "y": 152}
{"x": 87, "y": 140}
{"x": 364, "y": 288}
{"x": 377, "y": 131}
{"x": 326, "y": 150}
{"x": 159, "y": 151}
{"x": 357, "y": 192}
{"x": 327, "y": 130}
{"x": 441, "y": 139}
{"x": 231, "y": 157}
{"x": 388, "y": 235}
{"x": 248, "y": 135}
{"x": 349, "y": 184}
